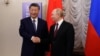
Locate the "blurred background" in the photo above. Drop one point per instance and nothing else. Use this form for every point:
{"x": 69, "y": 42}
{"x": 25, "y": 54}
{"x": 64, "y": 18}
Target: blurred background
{"x": 76, "y": 12}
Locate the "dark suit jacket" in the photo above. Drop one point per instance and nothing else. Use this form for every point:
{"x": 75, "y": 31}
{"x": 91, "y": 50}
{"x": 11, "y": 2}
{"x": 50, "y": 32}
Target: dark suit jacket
{"x": 62, "y": 44}
{"x": 26, "y": 30}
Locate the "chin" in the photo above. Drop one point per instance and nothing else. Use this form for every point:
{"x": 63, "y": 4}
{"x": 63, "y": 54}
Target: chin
{"x": 33, "y": 16}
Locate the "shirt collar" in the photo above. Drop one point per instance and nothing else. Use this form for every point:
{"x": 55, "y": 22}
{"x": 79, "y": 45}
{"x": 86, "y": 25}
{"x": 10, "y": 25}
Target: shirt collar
{"x": 60, "y": 21}
{"x": 36, "y": 19}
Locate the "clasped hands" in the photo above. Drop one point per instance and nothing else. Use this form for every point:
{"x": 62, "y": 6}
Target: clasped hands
{"x": 35, "y": 39}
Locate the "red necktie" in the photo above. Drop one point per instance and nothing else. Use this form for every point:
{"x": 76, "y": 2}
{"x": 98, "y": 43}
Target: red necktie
{"x": 56, "y": 29}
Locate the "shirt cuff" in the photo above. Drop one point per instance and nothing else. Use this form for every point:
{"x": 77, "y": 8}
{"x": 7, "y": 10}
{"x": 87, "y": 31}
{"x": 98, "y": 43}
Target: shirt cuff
{"x": 32, "y": 37}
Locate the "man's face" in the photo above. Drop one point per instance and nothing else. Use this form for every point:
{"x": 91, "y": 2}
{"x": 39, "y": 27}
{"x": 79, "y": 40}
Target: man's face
{"x": 34, "y": 11}
{"x": 55, "y": 16}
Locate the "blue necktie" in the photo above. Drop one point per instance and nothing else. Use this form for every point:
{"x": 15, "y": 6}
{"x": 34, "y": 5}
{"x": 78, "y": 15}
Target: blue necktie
{"x": 34, "y": 25}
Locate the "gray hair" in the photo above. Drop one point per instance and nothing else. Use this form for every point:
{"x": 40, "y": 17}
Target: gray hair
{"x": 59, "y": 11}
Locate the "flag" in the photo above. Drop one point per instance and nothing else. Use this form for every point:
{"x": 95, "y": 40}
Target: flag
{"x": 52, "y": 4}
{"x": 92, "y": 47}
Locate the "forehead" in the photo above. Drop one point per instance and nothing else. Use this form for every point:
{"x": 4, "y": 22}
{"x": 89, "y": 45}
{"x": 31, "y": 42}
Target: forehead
{"x": 54, "y": 11}
{"x": 33, "y": 7}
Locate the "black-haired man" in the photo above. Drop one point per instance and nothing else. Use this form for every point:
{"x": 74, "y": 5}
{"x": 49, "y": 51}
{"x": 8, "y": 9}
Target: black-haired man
{"x": 34, "y": 33}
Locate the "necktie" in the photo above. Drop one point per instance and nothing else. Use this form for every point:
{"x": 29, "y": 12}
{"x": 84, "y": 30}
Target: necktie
{"x": 34, "y": 25}
{"x": 56, "y": 29}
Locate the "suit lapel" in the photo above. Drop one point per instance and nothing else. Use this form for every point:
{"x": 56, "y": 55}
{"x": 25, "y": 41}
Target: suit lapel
{"x": 31, "y": 24}
{"x": 32, "y": 27}
{"x": 60, "y": 29}
{"x": 38, "y": 25}
{"x": 53, "y": 29}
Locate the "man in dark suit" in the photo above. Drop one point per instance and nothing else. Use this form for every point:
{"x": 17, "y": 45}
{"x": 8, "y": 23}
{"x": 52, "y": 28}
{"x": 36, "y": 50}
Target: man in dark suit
{"x": 34, "y": 33}
{"x": 61, "y": 35}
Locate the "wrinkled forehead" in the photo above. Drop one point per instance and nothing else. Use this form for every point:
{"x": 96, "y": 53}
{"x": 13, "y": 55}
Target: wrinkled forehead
{"x": 54, "y": 11}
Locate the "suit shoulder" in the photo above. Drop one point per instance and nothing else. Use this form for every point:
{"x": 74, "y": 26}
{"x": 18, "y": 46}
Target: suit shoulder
{"x": 52, "y": 26}
{"x": 43, "y": 21}
{"x": 24, "y": 19}
{"x": 68, "y": 24}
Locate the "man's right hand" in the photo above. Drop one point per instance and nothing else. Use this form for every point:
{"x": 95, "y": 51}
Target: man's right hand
{"x": 35, "y": 39}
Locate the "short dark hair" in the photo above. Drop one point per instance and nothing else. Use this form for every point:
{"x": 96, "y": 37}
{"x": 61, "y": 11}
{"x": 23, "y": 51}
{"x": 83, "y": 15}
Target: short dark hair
{"x": 35, "y": 5}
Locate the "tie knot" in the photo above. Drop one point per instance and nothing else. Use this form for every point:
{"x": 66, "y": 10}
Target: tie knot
{"x": 34, "y": 20}
{"x": 56, "y": 24}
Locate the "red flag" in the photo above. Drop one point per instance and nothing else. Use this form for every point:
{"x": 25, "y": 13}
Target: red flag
{"x": 52, "y": 4}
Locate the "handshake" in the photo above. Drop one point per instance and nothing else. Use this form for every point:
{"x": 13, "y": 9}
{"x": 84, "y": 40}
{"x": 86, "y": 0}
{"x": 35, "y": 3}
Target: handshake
{"x": 35, "y": 39}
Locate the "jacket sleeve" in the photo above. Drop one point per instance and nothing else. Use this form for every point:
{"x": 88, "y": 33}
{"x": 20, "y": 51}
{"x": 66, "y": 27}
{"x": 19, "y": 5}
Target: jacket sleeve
{"x": 70, "y": 41}
{"x": 23, "y": 32}
{"x": 45, "y": 37}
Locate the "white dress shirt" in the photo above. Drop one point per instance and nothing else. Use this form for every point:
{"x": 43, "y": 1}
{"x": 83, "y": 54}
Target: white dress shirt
{"x": 36, "y": 23}
{"x": 59, "y": 23}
